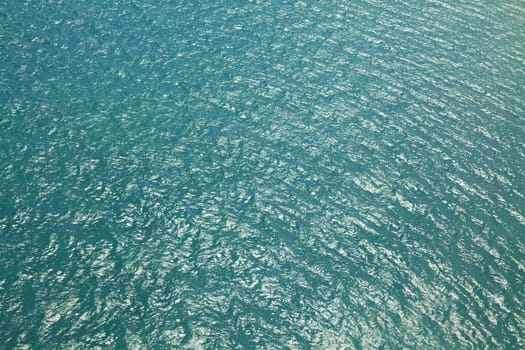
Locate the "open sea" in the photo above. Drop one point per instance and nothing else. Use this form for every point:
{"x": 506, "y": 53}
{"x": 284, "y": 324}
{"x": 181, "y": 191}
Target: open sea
{"x": 262, "y": 174}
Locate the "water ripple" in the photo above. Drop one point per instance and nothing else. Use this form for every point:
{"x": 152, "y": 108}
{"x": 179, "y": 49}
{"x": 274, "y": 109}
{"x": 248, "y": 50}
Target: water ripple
{"x": 262, "y": 175}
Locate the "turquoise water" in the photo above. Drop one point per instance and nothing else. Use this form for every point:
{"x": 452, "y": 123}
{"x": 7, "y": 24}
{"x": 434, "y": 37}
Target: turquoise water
{"x": 262, "y": 174}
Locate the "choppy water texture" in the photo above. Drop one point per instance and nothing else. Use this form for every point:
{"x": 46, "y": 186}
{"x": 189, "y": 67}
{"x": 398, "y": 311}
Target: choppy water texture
{"x": 262, "y": 174}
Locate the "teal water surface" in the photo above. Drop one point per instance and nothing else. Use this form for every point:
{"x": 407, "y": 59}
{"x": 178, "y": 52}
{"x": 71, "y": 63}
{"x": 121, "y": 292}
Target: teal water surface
{"x": 262, "y": 174}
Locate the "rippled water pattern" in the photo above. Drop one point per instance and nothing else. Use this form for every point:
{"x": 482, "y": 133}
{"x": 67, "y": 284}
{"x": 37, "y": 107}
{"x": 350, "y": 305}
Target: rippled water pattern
{"x": 262, "y": 174}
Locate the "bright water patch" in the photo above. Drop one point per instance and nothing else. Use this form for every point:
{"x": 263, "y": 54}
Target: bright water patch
{"x": 262, "y": 174}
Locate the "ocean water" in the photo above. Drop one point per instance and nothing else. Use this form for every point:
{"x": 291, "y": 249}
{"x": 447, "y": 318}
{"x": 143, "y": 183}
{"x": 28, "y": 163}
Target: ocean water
{"x": 262, "y": 174}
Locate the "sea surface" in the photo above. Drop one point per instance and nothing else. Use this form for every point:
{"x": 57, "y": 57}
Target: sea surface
{"x": 262, "y": 174}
